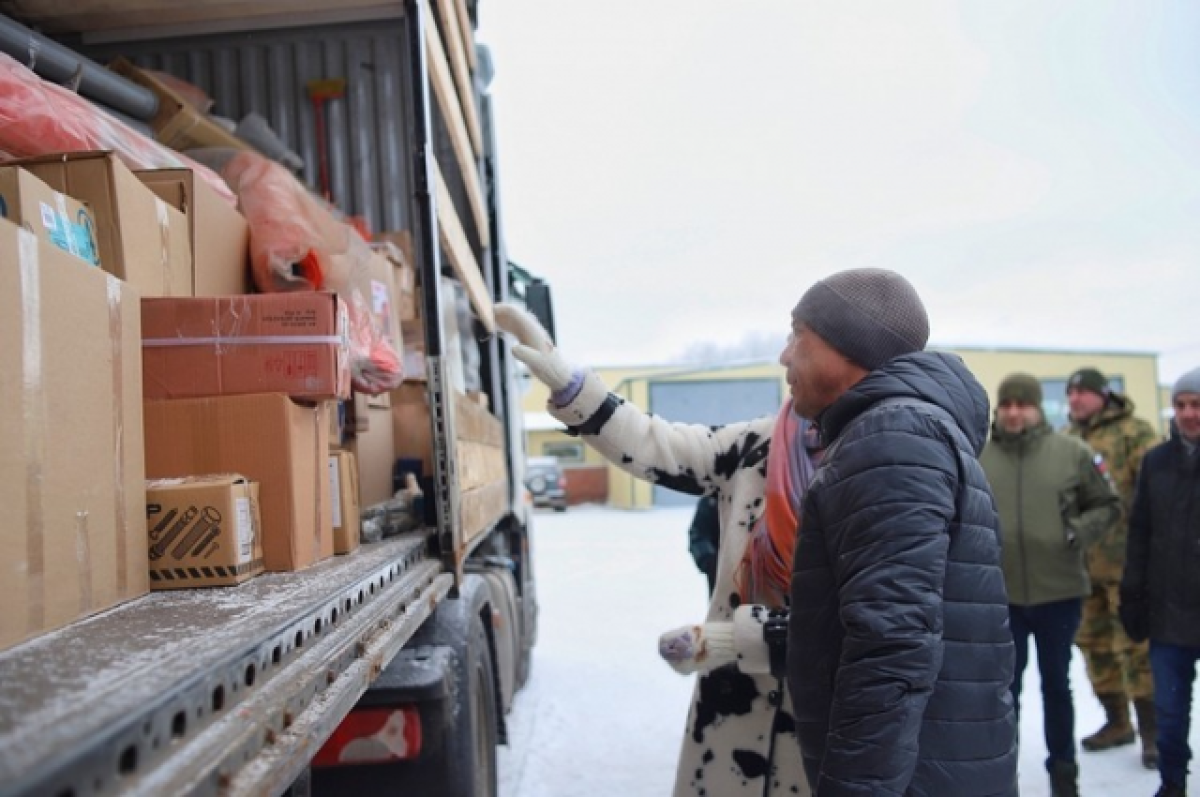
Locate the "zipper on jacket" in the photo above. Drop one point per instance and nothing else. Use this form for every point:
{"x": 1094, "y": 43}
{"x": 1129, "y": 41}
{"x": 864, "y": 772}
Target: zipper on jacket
{"x": 775, "y": 698}
{"x": 1021, "y": 519}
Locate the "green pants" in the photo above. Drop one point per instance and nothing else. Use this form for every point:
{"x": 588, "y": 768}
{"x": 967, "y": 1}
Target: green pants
{"x": 1115, "y": 665}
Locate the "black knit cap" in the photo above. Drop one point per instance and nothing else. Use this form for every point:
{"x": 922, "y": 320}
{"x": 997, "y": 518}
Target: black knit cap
{"x": 1089, "y": 379}
{"x": 871, "y": 315}
{"x": 1020, "y": 388}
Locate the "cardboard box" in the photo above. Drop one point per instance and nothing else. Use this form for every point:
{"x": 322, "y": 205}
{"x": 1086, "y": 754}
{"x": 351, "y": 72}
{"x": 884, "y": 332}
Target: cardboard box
{"x": 343, "y": 486}
{"x": 53, "y": 217}
{"x": 375, "y": 455}
{"x": 142, "y": 239}
{"x": 384, "y": 312}
{"x": 294, "y": 343}
{"x": 219, "y": 234}
{"x": 204, "y": 531}
{"x": 390, "y": 246}
{"x": 267, "y": 438}
{"x": 72, "y": 474}
{"x": 177, "y": 124}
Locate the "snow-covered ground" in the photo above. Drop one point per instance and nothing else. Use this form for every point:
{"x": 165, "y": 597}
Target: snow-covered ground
{"x": 602, "y": 715}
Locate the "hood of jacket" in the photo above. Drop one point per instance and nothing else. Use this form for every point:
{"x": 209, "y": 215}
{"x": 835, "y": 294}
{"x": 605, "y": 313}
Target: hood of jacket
{"x": 1117, "y": 407}
{"x": 939, "y": 378}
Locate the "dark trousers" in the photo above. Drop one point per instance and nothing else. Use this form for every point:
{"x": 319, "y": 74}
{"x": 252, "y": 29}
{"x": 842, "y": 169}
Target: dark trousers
{"x": 1174, "y": 669}
{"x": 1053, "y": 626}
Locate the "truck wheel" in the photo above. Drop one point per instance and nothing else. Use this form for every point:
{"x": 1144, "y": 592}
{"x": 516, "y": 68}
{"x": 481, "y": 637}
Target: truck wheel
{"x": 481, "y": 728}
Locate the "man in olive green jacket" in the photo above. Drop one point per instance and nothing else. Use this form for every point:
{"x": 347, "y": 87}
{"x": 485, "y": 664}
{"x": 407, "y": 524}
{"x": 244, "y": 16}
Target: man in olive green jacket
{"x": 1118, "y": 668}
{"x": 1054, "y": 500}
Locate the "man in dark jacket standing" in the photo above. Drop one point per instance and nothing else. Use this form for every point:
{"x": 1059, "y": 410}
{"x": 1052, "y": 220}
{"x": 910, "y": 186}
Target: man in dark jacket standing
{"x": 1160, "y": 590}
{"x": 1054, "y": 500}
{"x": 899, "y": 652}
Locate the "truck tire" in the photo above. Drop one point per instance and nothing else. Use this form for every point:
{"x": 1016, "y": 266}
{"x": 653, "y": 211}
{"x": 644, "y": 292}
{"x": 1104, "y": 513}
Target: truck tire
{"x": 471, "y": 752}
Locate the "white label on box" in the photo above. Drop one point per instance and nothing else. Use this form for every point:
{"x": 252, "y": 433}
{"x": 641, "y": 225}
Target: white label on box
{"x": 379, "y": 297}
{"x": 49, "y": 217}
{"x": 335, "y": 487}
{"x": 245, "y": 530}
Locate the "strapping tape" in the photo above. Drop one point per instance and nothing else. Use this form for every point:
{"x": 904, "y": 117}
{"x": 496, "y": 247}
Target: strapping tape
{"x": 164, "y": 234}
{"x": 116, "y": 335}
{"x": 33, "y": 409}
{"x": 242, "y": 340}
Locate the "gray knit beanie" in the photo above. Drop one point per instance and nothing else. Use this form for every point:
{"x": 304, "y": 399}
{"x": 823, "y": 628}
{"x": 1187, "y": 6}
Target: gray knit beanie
{"x": 868, "y": 314}
{"x": 1188, "y": 383}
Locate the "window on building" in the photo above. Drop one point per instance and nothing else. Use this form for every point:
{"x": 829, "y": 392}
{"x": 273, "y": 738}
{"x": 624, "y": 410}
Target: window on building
{"x": 1054, "y": 399}
{"x": 566, "y": 452}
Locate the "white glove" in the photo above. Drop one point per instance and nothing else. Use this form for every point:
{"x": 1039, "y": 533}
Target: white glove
{"x": 535, "y": 348}
{"x": 698, "y": 648}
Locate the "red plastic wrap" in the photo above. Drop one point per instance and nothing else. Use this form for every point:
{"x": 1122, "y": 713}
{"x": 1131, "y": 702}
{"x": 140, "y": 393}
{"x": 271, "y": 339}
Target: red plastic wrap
{"x": 39, "y": 118}
{"x": 296, "y": 243}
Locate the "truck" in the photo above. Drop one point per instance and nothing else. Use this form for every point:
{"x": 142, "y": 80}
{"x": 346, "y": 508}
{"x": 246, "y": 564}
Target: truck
{"x": 390, "y": 670}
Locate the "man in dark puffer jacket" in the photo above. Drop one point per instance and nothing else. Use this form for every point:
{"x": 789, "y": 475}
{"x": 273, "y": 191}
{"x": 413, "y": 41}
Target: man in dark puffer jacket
{"x": 899, "y": 652}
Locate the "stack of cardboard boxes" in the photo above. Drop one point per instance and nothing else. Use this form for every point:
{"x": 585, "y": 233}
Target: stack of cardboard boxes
{"x": 134, "y": 351}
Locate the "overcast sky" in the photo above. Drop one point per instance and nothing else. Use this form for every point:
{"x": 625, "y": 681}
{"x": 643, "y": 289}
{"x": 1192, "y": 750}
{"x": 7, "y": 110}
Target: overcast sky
{"x": 682, "y": 170}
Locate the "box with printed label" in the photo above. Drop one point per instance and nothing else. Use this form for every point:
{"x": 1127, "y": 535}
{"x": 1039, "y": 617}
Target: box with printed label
{"x": 343, "y": 486}
{"x": 219, "y": 233}
{"x": 54, "y": 218}
{"x": 204, "y": 531}
{"x": 294, "y": 343}
{"x": 72, "y": 468}
{"x": 142, "y": 239}
{"x": 270, "y": 439}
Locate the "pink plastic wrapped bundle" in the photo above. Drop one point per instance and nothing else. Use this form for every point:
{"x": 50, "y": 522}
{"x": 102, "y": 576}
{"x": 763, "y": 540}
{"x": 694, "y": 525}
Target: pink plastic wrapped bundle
{"x": 296, "y": 244}
{"x": 39, "y": 118}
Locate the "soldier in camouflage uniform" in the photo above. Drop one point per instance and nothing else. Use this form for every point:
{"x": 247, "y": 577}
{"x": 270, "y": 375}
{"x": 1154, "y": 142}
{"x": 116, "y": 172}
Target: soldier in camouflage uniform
{"x": 1118, "y": 668}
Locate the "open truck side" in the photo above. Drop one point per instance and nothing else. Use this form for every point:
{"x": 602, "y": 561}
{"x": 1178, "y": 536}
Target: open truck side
{"x": 407, "y": 653}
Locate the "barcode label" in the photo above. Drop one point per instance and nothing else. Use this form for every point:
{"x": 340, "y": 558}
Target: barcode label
{"x": 245, "y": 530}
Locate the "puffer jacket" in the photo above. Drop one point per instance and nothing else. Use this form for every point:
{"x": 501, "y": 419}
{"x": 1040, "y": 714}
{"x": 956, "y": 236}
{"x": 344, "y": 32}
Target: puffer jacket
{"x": 900, "y": 656}
{"x": 1162, "y": 563}
{"x": 740, "y": 740}
{"x": 1054, "y": 502}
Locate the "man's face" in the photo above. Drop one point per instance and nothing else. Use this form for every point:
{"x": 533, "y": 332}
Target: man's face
{"x": 817, "y": 373}
{"x": 1187, "y": 415}
{"x": 1084, "y": 403}
{"x": 1015, "y": 417}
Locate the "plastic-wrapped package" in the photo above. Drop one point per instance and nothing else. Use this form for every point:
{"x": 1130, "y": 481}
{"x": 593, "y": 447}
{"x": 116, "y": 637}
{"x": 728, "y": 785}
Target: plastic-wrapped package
{"x": 296, "y": 243}
{"x": 40, "y": 118}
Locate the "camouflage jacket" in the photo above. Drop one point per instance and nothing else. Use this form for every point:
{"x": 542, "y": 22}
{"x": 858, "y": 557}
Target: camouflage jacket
{"x": 1122, "y": 440}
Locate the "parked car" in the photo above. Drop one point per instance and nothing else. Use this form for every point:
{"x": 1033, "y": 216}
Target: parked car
{"x": 546, "y": 483}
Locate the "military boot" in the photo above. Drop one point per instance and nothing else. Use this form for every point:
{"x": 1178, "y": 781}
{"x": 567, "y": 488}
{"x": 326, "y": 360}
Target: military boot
{"x": 1064, "y": 778}
{"x": 1172, "y": 790}
{"x": 1117, "y": 730}
{"x": 1148, "y": 730}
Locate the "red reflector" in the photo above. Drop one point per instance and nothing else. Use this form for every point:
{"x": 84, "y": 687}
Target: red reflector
{"x": 373, "y": 736}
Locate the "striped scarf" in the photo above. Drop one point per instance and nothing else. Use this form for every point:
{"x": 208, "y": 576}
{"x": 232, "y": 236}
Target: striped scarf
{"x": 766, "y": 570}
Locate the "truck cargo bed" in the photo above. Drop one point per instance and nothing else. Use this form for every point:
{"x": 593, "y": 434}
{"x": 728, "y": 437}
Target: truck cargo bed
{"x": 196, "y": 691}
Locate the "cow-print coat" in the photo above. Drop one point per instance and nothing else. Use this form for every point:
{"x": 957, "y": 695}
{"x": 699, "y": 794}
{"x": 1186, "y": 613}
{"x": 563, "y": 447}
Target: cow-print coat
{"x": 740, "y": 737}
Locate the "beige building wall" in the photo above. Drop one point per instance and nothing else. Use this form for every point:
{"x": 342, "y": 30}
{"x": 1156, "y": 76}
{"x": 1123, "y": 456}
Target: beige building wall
{"x": 1139, "y": 371}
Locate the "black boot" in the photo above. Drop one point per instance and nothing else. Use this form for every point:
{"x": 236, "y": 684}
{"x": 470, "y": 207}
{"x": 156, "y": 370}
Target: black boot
{"x": 1148, "y": 730}
{"x": 1064, "y": 778}
{"x": 1171, "y": 790}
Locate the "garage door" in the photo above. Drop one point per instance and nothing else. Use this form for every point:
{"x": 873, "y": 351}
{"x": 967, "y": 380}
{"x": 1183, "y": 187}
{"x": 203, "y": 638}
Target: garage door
{"x": 712, "y": 403}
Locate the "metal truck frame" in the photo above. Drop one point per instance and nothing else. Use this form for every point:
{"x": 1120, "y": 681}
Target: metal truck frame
{"x": 235, "y": 690}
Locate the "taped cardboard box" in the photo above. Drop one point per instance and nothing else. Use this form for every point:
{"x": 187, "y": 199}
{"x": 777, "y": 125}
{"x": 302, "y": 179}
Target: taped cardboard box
{"x": 204, "y": 531}
{"x": 347, "y": 516}
{"x": 54, "y": 218}
{"x": 219, "y": 234}
{"x": 269, "y": 439}
{"x": 177, "y": 124}
{"x": 375, "y": 455}
{"x": 72, "y": 473}
{"x": 294, "y": 343}
{"x": 142, "y": 239}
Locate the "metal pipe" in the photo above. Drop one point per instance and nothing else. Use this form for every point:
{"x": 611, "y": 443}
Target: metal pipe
{"x": 62, "y": 65}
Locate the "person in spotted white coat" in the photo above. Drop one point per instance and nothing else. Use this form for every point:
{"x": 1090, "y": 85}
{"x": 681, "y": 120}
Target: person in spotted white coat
{"x": 740, "y": 738}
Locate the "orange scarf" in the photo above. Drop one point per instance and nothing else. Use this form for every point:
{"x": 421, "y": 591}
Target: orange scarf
{"x": 766, "y": 571}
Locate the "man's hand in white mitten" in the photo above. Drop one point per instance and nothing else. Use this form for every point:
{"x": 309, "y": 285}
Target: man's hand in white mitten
{"x": 534, "y": 347}
{"x": 698, "y": 648}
